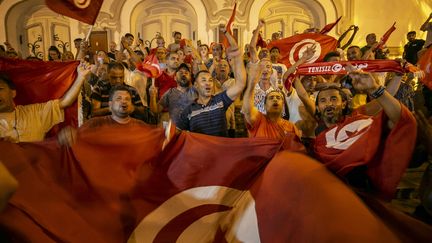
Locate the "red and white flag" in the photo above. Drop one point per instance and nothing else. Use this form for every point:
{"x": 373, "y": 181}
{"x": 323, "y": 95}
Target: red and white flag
{"x": 116, "y": 185}
{"x": 339, "y": 148}
{"x": 338, "y": 68}
{"x": 229, "y": 25}
{"x": 386, "y": 36}
{"x": 150, "y": 66}
{"x": 38, "y": 82}
{"x": 82, "y": 10}
{"x": 424, "y": 63}
{"x": 330, "y": 26}
{"x": 292, "y": 48}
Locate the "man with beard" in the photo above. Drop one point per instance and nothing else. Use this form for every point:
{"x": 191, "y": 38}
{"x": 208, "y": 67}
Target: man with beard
{"x": 121, "y": 107}
{"x": 175, "y": 99}
{"x": 359, "y": 146}
{"x": 207, "y": 113}
{"x": 167, "y": 79}
{"x": 270, "y": 125}
{"x": 101, "y": 91}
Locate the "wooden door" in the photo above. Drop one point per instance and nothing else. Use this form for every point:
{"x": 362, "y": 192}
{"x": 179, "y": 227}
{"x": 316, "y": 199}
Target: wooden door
{"x": 99, "y": 41}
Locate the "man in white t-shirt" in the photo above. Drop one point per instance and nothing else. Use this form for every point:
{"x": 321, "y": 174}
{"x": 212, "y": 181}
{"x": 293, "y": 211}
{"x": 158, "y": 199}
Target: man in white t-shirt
{"x": 30, "y": 123}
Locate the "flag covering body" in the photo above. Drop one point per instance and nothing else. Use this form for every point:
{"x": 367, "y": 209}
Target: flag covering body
{"x": 38, "y": 82}
{"x": 116, "y": 185}
{"x": 330, "y": 26}
{"x": 425, "y": 65}
{"x": 82, "y": 10}
{"x": 359, "y": 141}
{"x": 292, "y": 48}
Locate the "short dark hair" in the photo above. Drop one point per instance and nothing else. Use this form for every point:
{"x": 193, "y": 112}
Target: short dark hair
{"x": 118, "y": 88}
{"x": 169, "y": 53}
{"x": 354, "y": 47}
{"x": 274, "y": 91}
{"x": 78, "y": 39}
{"x": 177, "y": 33}
{"x": 115, "y": 65}
{"x": 274, "y": 47}
{"x": 343, "y": 95}
{"x": 129, "y": 35}
{"x": 183, "y": 66}
{"x": 201, "y": 71}
{"x": 8, "y": 81}
{"x": 412, "y": 32}
{"x": 330, "y": 55}
{"x": 54, "y": 48}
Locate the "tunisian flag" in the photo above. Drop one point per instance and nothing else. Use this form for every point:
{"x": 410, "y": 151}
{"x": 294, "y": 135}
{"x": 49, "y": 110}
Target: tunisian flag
{"x": 362, "y": 140}
{"x": 82, "y": 10}
{"x": 38, "y": 82}
{"x": 330, "y": 26}
{"x": 292, "y": 48}
{"x": 225, "y": 42}
{"x": 113, "y": 187}
{"x": 150, "y": 66}
{"x": 425, "y": 65}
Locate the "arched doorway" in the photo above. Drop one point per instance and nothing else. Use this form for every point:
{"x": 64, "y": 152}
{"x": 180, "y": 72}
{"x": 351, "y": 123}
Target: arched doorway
{"x": 152, "y": 16}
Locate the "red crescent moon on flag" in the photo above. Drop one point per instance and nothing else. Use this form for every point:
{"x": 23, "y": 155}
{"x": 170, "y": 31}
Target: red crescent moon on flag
{"x": 82, "y": 3}
{"x": 298, "y": 49}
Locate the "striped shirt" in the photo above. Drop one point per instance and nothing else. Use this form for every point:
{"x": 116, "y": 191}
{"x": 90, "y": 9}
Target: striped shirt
{"x": 207, "y": 119}
{"x": 101, "y": 91}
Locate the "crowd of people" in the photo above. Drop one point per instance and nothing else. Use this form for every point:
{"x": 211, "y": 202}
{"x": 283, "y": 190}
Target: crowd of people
{"x": 235, "y": 92}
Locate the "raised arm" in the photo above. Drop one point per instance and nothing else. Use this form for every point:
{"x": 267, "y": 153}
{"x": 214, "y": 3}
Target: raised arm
{"x": 356, "y": 29}
{"x": 366, "y": 82}
{"x": 307, "y": 54}
{"x": 248, "y": 109}
{"x": 154, "y": 106}
{"x": 252, "y": 46}
{"x": 424, "y": 25}
{"x": 235, "y": 54}
{"x": 83, "y": 70}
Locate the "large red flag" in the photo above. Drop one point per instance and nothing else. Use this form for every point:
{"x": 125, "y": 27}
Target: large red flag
{"x": 386, "y": 35}
{"x": 292, "y": 48}
{"x": 424, "y": 63}
{"x": 83, "y": 10}
{"x": 329, "y": 27}
{"x": 115, "y": 188}
{"x": 359, "y": 141}
{"x": 229, "y": 25}
{"x": 38, "y": 82}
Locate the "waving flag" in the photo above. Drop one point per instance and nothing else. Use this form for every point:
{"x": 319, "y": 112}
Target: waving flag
{"x": 338, "y": 148}
{"x": 292, "y": 48}
{"x": 329, "y": 27}
{"x": 115, "y": 188}
{"x": 229, "y": 25}
{"x": 386, "y": 35}
{"x": 38, "y": 82}
{"x": 261, "y": 42}
{"x": 82, "y": 10}
{"x": 424, "y": 63}
{"x": 150, "y": 66}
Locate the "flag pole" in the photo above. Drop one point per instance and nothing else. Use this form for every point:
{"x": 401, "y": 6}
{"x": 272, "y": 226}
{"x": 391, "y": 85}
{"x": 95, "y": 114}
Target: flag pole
{"x": 88, "y": 34}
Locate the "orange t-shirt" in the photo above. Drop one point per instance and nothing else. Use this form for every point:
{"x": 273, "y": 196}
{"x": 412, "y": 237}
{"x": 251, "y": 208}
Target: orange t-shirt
{"x": 282, "y": 130}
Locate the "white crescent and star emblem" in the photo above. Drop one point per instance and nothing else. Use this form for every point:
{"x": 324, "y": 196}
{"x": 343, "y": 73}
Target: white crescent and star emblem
{"x": 198, "y": 215}
{"x": 82, "y": 4}
{"x": 348, "y": 135}
{"x": 297, "y": 50}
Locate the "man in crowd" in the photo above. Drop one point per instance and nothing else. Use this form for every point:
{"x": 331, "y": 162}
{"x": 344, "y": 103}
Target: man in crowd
{"x": 412, "y": 48}
{"x": 100, "y": 93}
{"x": 175, "y": 99}
{"x": 271, "y": 124}
{"x": 174, "y": 47}
{"x": 207, "y": 114}
{"x": 30, "y": 123}
{"x": 166, "y": 80}
{"x": 112, "y": 50}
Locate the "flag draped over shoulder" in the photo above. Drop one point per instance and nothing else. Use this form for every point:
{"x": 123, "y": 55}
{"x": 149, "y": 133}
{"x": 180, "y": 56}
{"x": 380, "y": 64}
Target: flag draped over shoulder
{"x": 425, "y": 65}
{"x": 38, "y": 82}
{"x": 292, "y": 48}
{"x": 359, "y": 140}
{"x": 116, "y": 185}
{"x": 82, "y": 10}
